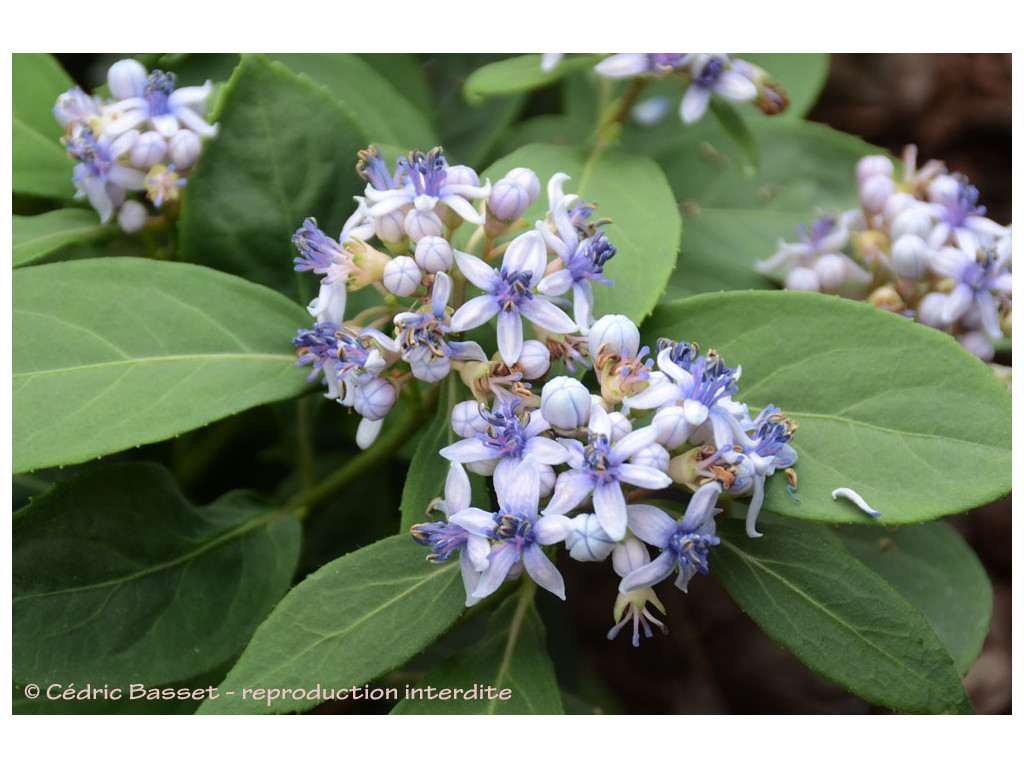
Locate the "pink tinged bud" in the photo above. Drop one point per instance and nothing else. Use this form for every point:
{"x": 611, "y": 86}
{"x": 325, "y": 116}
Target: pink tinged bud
{"x": 466, "y": 419}
{"x": 915, "y": 220}
{"x": 565, "y": 403}
{"x": 434, "y": 254}
{"x": 534, "y": 359}
{"x": 126, "y": 78}
{"x": 185, "y": 147}
{"x": 401, "y": 276}
{"x": 875, "y": 191}
{"x": 374, "y": 399}
{"x": 873, "y": 165}
{"x": 419, "y": 224}
{"x": 148, "y": 150}
{"x": 910, "y": 257}
{"x": 803, "y": 279}
{"x": 930, "y": 310}
{"x": 132, "y": 216}
{"x": 896, "y": 205}
{"x": 616, "y": 334}
{"x": 390, "y": 227}
{"x": 831, "y": 272}
{"x": 508, "y": 201}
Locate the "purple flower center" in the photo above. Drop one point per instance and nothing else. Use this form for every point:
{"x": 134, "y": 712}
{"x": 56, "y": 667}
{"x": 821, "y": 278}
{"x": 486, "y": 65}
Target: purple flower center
{"x": 692, "y": 548}
{"x": 514, "y": 289}
{"x": 427, "y": 173}
{"x": 513, "y": 527}
{"x": 442, "y": 538}
{"x": 712, "y": 380}
{"x": 597, "y": 461}
{"x": 590, "y": 257}
{"x": 962, "y": 205}
{"x": 710, "y": 74}
{"x": 158, "y": 88}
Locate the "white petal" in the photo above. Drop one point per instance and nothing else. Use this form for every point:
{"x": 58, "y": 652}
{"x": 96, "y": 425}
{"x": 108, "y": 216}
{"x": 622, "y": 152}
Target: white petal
{"x": 651, "y": 524}
{"x": 694, "y": 103}
{"x": 547, "y": 316}
{"x": 473, "y": 313}
{"x": 610, "y": 508}
{"x": 476, "y": 270}
{"x": 542, "y": 571}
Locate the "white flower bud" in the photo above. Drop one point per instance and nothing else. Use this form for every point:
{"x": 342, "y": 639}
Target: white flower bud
{"x": 910, "y": 257}
{"x": 943, "y": 188}
{"x": 978, "y": 344}
{"x": 802, "y": 279}
{"x": 930, "y": 310}
{"x": 915, "y": 220}
{"x": 466, "y": 419}
{"x": 547, "y": 479}
{"x": 508, "y": 201}
{"x": 629, "y": 556}
{"x": 132, "y": 216}
{"x": 419, "y": 224}
{"x": 401, "y": 276}
{"x": 434, "y": 254}
{"x": 374, "y": 399}
{"x": 615, "y": 333}
{"x": 148, "y": 150}
{"x": 672, "y": 425}
{"x": 184, "y": 148}
{"x": 831, "y": 271}
{"x": 565, "y": 403}
{"x": 875, "y": 191}
{"x": 367, "y": 432}
{"x": 621, "y": 426}
{"x": 534, "y": 359}
{"x": 653, "y": 455}
{"x": 126, "y": 78}
{"x": 873, "y": 165}
{"x": 462, "y": 175}
{"x": 526, "y": 179}
{"x": 390, "y": 227}
{"x": 588, "y": 542}
{"x": 431, "y": 370}
{"x": 897, "y": 204}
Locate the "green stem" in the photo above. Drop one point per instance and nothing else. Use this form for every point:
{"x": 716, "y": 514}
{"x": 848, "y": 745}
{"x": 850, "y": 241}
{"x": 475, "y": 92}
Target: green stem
{"x": 607, "y": 129}
{"x": 526, "y": 593}
{"x": 383, "y": 448}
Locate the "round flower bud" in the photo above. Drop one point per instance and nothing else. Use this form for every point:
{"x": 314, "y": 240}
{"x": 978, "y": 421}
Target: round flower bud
{"x": 126, "y": 78}
{"x": 466, "y": 419}
{"x": 565, "y": 403}
{"x": 915, "y": 220}
{"x": 910, "y": 257}
{"x": 534, "y": 359}
{"x": 588, "y": 542}
{"x": 462, "y": 175}
{"x": 897, "y": 204}
{"x": 508, "y": 201}
{"x": 434, "y": 254}
{"x": 390, "y": 227}
{"x": 831, "y": 271}
{"x": 802, "y": 279}
{"x": 621, "y": 426}
{"x": 547, "y": 479}
{"x": 943, "y": 188}
{"x": 616, "y": 334}
{"x": 873, "y": 165}
{"x": 629, "y": 556}
{"x": 367, "y": 432}
{"x": 148, "y": 150}
{"x": 930, "y": 309}
{"x": 527, "y": 180}
{"x": 672, "y": 425}
{"x": 484, "y": 467}
{"x": 978, "y": 344}
{"x": 374, "y": 399}
{"x": 875, "y": 191}
{"x": 432, "y": 369}
{"x": 419, "y": 224}
{"x": 401, "y": 276}
{"x": 654, "y": 456}
{"x": 184, "y": 147}
{"x": 132, "y": 216}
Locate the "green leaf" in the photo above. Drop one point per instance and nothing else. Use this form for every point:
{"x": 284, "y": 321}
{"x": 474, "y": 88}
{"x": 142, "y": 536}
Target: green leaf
{"x": 136, "y": 351}
{"x": 39, "y": 164}
{"x": 285, "y": 151}
{"x": 512, "y": 659}
{"x": 372, "y": 102}
{"x": 118, "y": 579}
{"x": 405, "y": 73}
{"x": 353, "y": 620}
{"x": 428, "y": 469}
{"x": 936, "y": 572}
{"x": 892, "y": 409}
{"x": 736, "y": 129}
{"x": 645, "y": 220}
{"x": 839, "y": 617}
{"x": 518, "y": 74}
{"x": 38, "y": 236}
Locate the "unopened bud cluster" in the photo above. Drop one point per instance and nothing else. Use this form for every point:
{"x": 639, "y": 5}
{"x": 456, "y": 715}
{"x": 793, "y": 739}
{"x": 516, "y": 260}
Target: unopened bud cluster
{"x": 138, "y": 146}
{"x": 919, "y": 244}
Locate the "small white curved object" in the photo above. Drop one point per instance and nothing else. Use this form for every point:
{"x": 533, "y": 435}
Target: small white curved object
{"x": 856, "y": 498}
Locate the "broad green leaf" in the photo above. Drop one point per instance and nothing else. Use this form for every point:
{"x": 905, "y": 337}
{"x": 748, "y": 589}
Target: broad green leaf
{"x": 113, "y": 353}
{"x": 428, "y": 469}
{"x": 511, "y": 659}
{"x": 894, "y": 410}
{"x": 285, "y": 151}
{"x": 801, "y": 75}
{"x": 936, "y": 571}
{"x": 517, "y": 74}
{"x": 38, "y": 236}
{"x": 736, "y": 129}
{"x": 839, "y": 617}
{"x": 350, "y": 622}
{"x": 370, "y": 100}
{"x": 632, "y": 192}
{"x": 118, "y": 579}
{"x": 39, "y": 164}
{"x": 405, "y": 72}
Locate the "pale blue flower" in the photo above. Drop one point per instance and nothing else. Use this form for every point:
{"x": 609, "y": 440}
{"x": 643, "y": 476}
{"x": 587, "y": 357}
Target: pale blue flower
{"x": 960, "y": 220}
{"x": 98, "y": 175}
{"x": 711, "y": 74}
{"x": 982, "y": 281}
{"x": 155, "y": 100}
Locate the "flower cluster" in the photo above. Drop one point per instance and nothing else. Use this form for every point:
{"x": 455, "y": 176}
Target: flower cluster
{"x": 920, "y": 245}
{"x": 703, "y": 74}
{"x": 146, "y": 138}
